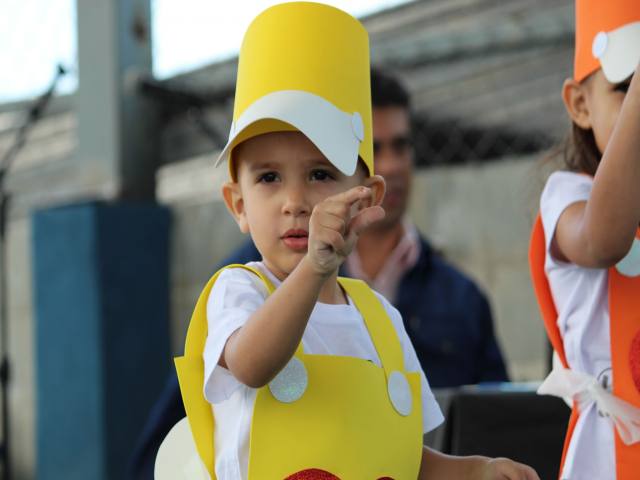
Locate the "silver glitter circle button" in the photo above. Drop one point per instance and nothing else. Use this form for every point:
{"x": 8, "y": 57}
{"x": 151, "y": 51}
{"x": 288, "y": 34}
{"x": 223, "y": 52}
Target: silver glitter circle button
{"x": 400, "y": 393}
{"x": 357, "y": 126}
{"x": 291, "y": 383}
{"x": 600, "y": 43}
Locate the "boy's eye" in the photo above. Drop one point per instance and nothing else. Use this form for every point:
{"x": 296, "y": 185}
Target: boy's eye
{"x": 320, "y": 175}
{"x": 268, "y": 177}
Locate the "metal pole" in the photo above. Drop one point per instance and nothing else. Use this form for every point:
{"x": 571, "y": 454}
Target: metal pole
{"x": 4, "y": 360}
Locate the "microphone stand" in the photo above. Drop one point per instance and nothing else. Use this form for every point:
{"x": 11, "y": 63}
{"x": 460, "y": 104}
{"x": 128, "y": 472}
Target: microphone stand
{"x": 35, "y": 112}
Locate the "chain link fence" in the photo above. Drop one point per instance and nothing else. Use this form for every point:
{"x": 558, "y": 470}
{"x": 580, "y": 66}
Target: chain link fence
{"x": 451, "y": 142}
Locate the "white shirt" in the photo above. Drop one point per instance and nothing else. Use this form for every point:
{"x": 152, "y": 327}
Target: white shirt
{"x": 332, "y": 329}
{"x": 581, "y": 296}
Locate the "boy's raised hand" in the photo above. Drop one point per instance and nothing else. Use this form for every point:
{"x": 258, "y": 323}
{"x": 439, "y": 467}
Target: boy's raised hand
{"x": 335, "y": 224}
{"x": 505, "y": 469}
{"x": 436, "y": 466}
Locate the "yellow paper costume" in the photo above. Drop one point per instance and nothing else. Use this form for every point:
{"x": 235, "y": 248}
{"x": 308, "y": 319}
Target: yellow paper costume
{"x": 305, "y": 67}
{"x": 342, "y": 415}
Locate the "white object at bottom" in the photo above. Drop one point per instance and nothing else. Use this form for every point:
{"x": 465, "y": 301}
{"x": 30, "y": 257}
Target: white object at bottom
{"x": 585, "y": 390}
{"x": 178, "y": 458}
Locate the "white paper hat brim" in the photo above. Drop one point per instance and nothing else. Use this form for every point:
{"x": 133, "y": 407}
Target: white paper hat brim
{"x": 337, "y": 134}
{"x": 618, "y": 52}
{"x": 178, "y": 458}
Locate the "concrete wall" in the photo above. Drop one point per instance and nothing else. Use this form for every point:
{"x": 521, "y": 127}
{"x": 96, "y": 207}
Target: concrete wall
{"x": 480, "y": 217}
{"x": 21, "y": 353}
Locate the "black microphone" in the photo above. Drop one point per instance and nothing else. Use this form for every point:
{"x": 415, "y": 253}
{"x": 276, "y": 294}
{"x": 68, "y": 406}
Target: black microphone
{"x": 35, "y": 111}
{"x": 37, "y": 108}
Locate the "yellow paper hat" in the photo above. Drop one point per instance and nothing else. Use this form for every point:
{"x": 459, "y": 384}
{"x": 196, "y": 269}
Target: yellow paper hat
{"x": 305, "y": 66}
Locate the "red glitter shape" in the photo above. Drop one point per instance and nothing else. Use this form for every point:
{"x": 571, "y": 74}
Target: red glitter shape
{"x": 317, "y": 474}
{"x": 634, "y": 360}
{"x": 312, "y": 474}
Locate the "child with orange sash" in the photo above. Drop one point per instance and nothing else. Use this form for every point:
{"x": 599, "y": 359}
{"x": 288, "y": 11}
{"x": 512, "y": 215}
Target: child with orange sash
{"x": 291, "y": 372}
{"x": 585, "y": 252}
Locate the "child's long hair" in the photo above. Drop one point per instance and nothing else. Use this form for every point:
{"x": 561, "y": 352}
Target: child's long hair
{"x": 579, "y": 151}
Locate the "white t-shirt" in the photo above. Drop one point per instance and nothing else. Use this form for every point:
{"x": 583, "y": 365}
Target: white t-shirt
{"x": 331, "y": 330}
{"x": 581, "y": 296}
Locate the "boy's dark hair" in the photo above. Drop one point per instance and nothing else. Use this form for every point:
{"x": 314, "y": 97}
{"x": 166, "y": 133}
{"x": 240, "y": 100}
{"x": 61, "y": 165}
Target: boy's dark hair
{"x": 387, "y": 90}
{"x": 580, "y": 151}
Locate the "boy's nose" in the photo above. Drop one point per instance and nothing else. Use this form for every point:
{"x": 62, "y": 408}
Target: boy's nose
{"x": 295, "y": 203}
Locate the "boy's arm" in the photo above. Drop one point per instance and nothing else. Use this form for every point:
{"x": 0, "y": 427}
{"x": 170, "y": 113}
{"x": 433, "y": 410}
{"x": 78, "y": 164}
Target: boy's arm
{"x": 436, "y": 465}
{"x": 257, "y": 351}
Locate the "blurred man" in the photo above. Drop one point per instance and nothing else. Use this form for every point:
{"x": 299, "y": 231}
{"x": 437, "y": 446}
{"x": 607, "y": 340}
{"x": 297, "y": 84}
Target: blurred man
{"x": 446, "y": 316}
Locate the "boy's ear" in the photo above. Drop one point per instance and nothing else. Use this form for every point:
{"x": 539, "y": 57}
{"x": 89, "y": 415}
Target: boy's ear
{"x": 232, "y": 196}
{"x": 574, "y": 95}
{"x": 378, "y": 187}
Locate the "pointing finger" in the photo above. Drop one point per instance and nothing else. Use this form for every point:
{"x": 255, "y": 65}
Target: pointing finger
{"x": 352, "y": 195}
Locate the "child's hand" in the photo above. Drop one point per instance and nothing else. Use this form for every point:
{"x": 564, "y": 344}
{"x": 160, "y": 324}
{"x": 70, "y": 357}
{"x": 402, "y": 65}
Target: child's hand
{"x": 333, "y": 230}
{"x": 505, "y": 469}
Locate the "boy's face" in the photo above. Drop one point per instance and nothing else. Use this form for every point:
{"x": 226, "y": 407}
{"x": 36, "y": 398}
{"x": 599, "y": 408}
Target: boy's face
{"x": 280, "y": 178}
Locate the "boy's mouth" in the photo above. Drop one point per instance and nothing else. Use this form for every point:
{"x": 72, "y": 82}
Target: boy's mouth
{"x": 296, "y": 238}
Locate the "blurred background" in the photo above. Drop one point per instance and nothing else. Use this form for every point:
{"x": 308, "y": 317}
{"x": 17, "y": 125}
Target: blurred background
{"x": 119, "y": 156}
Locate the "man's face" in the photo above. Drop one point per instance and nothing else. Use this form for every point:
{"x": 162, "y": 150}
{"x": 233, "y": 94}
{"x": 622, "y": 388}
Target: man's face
{"x": 393, "y": 158}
